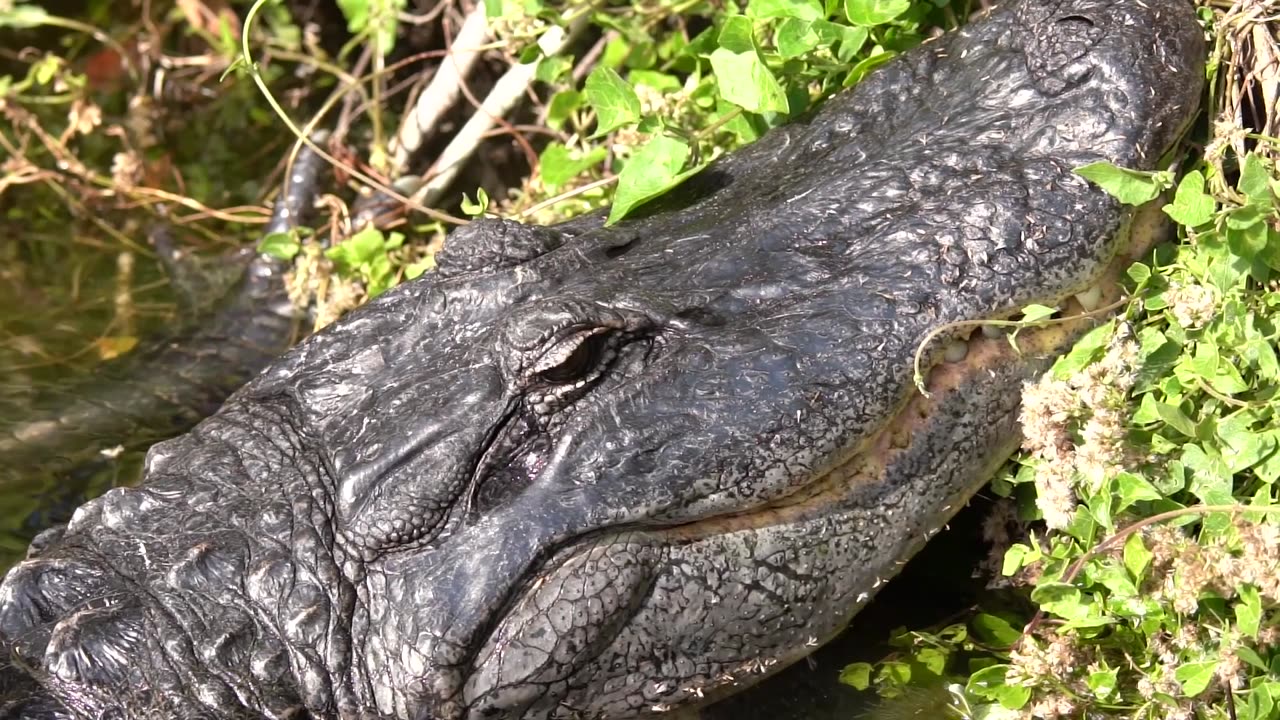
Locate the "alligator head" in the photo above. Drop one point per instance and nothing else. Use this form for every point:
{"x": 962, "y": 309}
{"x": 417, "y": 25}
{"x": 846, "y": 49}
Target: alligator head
{"x": 603, "y": 472}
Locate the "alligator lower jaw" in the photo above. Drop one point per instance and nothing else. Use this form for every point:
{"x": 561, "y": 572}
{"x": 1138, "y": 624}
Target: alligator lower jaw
{"x": 986, "y": 356}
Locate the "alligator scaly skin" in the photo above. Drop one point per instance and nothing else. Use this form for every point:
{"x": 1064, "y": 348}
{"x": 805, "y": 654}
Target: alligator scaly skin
{"x": 589, "y": 472}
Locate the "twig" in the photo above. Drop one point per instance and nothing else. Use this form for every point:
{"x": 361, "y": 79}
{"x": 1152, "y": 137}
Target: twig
{"x": 508, "y": 91}
{"x": 443, "y": 91}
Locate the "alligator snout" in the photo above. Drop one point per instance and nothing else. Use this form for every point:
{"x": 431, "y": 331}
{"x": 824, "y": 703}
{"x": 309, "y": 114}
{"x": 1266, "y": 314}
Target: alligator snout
{"x": 69, "y": 623}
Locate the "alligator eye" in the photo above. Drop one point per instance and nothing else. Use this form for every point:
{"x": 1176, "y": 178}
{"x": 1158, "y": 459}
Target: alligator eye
{"x": 573, "y": 358}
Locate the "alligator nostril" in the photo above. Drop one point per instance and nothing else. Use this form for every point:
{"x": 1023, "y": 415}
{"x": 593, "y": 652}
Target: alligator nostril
{"x": 617, "y": 247}
{"x": 96, "y": 646}
{"x": 1078, "y": 20}
{"x": 39, "y": 591}
{"x": 45, "y": 540}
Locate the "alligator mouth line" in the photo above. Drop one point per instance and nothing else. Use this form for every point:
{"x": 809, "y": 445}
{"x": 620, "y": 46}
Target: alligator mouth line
{"x": 982, "y": 353}
{"x": 868, "y": 465}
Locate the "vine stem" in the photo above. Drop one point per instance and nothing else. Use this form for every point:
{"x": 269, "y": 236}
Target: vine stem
{"x": 1123, "y": 534}
{"x": 928, "y": 338}
{"x": 303, "y": 138}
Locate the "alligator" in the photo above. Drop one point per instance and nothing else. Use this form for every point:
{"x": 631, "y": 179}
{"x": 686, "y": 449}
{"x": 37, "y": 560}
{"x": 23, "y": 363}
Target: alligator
{"x": 611, "y": 471}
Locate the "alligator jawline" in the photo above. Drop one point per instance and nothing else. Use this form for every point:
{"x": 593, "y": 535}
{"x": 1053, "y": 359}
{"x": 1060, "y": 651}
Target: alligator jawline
{"x": 866, "y": 466}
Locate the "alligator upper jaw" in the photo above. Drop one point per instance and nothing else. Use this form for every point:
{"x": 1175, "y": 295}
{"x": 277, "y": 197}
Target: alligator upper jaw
{"x": 977, "y": 356}
{"x": 509, "y": 657}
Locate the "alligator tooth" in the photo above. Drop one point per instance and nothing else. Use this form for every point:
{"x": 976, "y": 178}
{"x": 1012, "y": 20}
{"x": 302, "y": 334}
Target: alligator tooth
{"x": 956, "y": 350}
{"x": 1090, "y": 299}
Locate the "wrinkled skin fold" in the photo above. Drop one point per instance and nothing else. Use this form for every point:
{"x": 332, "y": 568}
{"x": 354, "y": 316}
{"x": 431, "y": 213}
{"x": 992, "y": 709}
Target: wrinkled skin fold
{"x": 606, "y": 472}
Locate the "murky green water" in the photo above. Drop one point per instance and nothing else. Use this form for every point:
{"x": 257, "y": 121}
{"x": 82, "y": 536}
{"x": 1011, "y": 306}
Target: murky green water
{"x": 68, "y": 303}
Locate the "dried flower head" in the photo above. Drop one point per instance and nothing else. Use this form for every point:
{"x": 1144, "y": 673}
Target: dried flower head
{"x": 1193, "y": 306}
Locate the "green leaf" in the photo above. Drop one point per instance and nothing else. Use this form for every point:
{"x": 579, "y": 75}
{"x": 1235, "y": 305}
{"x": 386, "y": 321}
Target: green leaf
{"x": 1224, "y": 265}
{"x": 1102, "y": 682}
{"x": 1099, "y": 505}
{"x": 1113, "y": 577}
{"x": 737, "y": 35}
{"x": 1195, "y": 676}
{"x": 614, "y": 100}
{"x": 45, "y": 69}
{"x": 1247, "y": 241}
{"x": 933, "y": 659}
{"x": 1249, "y": 610}
{"x": 870, "y": 13}
{"x": 1137, "y": 558}
{"x": 552, "y": 68}
{"x": 1017, "y": 557}
{"x": 380, "y": 18}
{"x": 1036, "y": 313}
{"x": 357, "y": 250}
{"x": 745, "y": 81}
{"x": 1139, "y": 273}
{"x": 364, "y": 256}
{"x": 22, "y": 17}
{"x": 1131, "y": 187}
{"x": 796, "y": 37}
{"x": 856, "y": 675}
{"x": 656, "y": 80}
{"x": 283, "y": 245}
{"x": 894, "y": 673}
{"x": 558, "y": 166}
{"x": 1244, "y": 217}
{"x": 989, "y": 683}
{"x": 1268, "y": 471}
{"x": 1211, "y": 480}
{"x": 1191, "y": 205}
{"x": 1176, "y": 419}
{"x": 1133, "y": 488}
{"x": 846, "y": 41}
{"x": 1253, "y": 180}
{"x": 415, "y": 269}
{"x": 1252, "y": 657}
{"x": 562, "y": 106}
{"x": 1245, "y": 446}
{"x": 1068, "y": 602}
{"x": 651, "y": 171}
{"x": 1262, "y": 699}
{"x": 877, "y": 58}
{"x": 995, "y": 630}
{"x": 1086, "y": 351}
{"x": 479, "y": 206}
{"x": 797, "y": 9}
